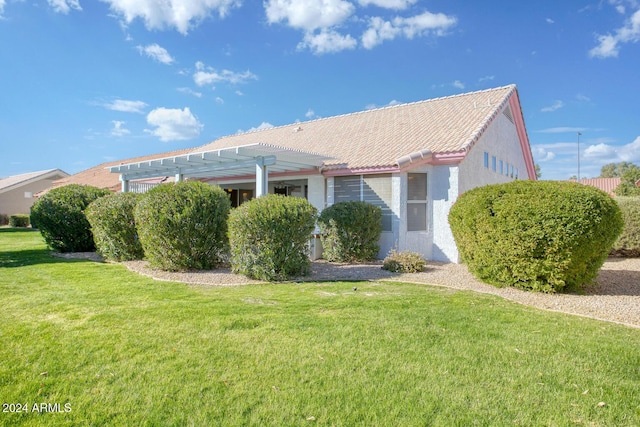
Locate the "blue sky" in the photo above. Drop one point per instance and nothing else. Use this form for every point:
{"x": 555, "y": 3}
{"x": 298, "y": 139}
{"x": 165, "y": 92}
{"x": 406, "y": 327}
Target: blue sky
{"x": 85, "y": 82}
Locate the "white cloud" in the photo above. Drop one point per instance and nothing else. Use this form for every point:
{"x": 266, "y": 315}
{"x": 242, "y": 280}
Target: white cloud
{"x": 118, "y": 129}
{"x": 582, "y": 98}
{"x": 206, "y": 75}
{"x": 179, "y": 14}
{"x": 174, "y": 124}
{"x": 458, "y": 84}
{"x": 388, "y": 4}
{"x": 189, "y": 91}
{"x": 261, "y": 126}
{"x": 327, "y": 41}
{"x": 416, "y": 26}
{"x": 611, "y": 153}
{"x": 308, "y": 15}
{"x": 609, "y": 44}
{"x": 555, "y": 106}
{"x": 156, "y": 52}
{"x": 126, "y": 106}
{"x": 390, "y": 104}
{"x": 310, "y": 114}
{"x": 542, "y": 155}
{"x": 550, "y": 21}
{"x": 563, "y": 129}
{"x": 486, "y": 78}
{"x": 2, "y": 3}
{"x": 219, "y": 100}
{"x": 62, "y": 6}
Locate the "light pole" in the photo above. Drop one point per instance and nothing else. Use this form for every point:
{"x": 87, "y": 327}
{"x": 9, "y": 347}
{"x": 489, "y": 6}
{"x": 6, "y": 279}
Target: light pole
{"x": 579, "y": 156}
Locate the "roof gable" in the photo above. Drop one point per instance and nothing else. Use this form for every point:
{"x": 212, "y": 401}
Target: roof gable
{"x": 16, "y": 181}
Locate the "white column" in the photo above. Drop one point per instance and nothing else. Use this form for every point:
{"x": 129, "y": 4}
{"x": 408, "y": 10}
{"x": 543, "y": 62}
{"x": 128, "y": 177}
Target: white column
{"x": 179, "y": 177}
{"x": 125, "y": 184}
{"x": 262, "y": 177}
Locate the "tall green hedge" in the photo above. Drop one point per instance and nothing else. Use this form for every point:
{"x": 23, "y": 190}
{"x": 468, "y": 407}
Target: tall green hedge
{"x": 183, "y": 226}
{"x": 114, "y": 227}
{"x": 351, "y": 231}
{"x": 536, "y": 235}
{"x": 628, "y": 244}
{"x": 59, "y": 215}
{"x": 269, "y": 237}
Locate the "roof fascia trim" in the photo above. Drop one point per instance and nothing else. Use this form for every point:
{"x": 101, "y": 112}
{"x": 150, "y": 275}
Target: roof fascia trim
{"x": 514, "y": 103}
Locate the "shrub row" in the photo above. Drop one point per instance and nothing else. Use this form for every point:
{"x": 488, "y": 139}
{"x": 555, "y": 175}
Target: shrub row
{"x": 628, "y": 244}
{"x": 4, "y": 219}
{"x": 537, "y": 235}
{"x": 188, "y": 225}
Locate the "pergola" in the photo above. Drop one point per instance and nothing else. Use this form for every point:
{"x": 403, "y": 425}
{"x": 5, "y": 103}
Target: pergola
{"x": 228, "y": 162}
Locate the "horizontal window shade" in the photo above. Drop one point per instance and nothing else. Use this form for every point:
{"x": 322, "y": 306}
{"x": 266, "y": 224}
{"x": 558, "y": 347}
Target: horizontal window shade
{"x": 374, "y": 189}
{"x": 346, "y": 188}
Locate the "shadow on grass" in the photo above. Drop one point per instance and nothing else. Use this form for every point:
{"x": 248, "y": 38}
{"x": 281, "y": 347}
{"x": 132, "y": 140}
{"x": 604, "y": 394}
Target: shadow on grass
{"x": 12, "y": 259}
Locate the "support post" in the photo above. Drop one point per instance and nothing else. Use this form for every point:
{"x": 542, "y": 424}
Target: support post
{"x": 125, "y": 184}
{"x": 262, "y": 177}
{"x": 179, "y": 177}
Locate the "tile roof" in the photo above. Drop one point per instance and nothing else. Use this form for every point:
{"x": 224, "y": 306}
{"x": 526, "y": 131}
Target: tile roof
{"x": 379, "y": 138}
{"x": 99, "y": 176}
{"x": 17, "y": 180}
{"x": 605, "y": 184}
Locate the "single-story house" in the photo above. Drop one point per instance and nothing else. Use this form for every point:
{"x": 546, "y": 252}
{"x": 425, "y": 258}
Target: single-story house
{"x": 17, "y": 192}
{"x": 413, "y": 160}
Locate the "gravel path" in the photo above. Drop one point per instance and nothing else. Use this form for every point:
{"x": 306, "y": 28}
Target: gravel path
{"x": 616, "y": 298}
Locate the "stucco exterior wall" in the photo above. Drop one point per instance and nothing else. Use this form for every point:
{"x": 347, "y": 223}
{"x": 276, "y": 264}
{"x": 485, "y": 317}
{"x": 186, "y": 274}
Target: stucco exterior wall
{"x": 500, "y": 140}
{"x": 15, "y": 201}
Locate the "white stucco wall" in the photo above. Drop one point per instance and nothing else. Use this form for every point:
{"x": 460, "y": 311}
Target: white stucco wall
{"x": 444, "y": 191}
{"x": 499, "y": 140}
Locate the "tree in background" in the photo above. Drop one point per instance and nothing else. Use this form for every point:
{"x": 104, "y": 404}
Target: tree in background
{"x": 616, "y": 170}
{"x": 538, "y": 172}
{"x": 628, "y": 182}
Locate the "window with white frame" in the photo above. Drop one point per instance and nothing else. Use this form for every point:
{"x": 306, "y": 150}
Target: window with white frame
{"x": 417, "y": 202}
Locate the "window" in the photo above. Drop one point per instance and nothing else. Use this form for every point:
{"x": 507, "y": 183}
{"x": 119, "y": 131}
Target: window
{"x": 516, "y": 173}
{"x": 506, "y": 170}
{"x": 486, "y": 160}
{"x": 501, "y": 167}
{"x": 28, "y": 195}
{"x": 374, "y": 189}
{"x": 417, "y": 202}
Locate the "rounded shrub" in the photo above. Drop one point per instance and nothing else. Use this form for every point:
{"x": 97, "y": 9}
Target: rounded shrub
{"x": 628, "y": 244}
{"x": 183, "y": 226}
{"x": 59, "y": 215}
{"x": 404, "y": 262}
{"x": 269, "y": 237}
{"x": 114, "y": 227}
{"x": 19, "y": 220}
{"x": 536, "y": 235}
{"x": 350, "y": 231}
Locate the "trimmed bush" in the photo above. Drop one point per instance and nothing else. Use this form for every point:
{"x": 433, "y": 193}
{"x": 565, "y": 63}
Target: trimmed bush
{"x": 4, "y": 219}
{"x": 535, "y": 235}
{"x": 269, "y": 237}
{"x": 114, "y": 227}
{"x": 19, "y": 220}
{"x": 628, "y": 244}
{"x": 404, "y": 262}
{"x": 183, "y": 226}
{"x": 59, "y": 215}
{"x": 350, "y": 231}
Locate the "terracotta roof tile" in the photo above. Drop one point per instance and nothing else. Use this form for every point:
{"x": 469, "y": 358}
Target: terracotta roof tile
{"x": 378, "y": 138}
{"x": 607, "y": 185}
{"x": 15, "y": 180}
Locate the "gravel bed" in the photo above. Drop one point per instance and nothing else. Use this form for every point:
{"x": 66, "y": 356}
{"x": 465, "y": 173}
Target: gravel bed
{"x": 615, "y": 297}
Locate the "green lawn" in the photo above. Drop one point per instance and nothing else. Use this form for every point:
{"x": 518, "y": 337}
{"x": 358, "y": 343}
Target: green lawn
{"x": 114, "y": 348}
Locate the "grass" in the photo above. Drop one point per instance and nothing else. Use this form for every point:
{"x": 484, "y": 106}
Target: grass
{"x": 121, "y": 349}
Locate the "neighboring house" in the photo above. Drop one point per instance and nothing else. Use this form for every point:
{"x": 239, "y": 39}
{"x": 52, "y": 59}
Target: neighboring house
{"x": 608, "y": 185}
{"x": 413, "y": 160}
{"x": 17, "y": 192}
{"x": 99, "y": 176}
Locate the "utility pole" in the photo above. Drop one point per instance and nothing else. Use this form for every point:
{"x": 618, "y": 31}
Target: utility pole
{"x": 579, "y": 156}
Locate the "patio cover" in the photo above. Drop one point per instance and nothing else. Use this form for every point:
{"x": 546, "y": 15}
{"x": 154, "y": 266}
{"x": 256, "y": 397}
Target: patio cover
{"x": 224, "y": 163}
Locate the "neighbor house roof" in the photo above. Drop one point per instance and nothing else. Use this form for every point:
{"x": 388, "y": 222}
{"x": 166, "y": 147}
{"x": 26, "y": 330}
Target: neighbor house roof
{"x": 15, "y": 181}
{"x": 607, "y": 185}
{"x": 393, "y": 137}
{"x": 100, "y": 176}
